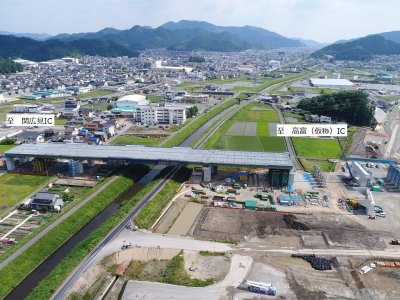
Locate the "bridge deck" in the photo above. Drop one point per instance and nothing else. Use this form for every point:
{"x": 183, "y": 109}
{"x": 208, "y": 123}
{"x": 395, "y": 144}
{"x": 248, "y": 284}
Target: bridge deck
{"x": 178, "y": 154}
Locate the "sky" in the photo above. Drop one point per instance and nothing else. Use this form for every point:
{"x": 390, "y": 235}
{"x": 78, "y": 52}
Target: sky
{"x": 320, "y": 20}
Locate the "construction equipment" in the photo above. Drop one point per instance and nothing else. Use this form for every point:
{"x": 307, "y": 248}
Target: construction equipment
{"x": 355, "y": 204}
{"x": 260, "y": 287}
{"x": 395, "y": 242}
{"x": 351, "y": 179}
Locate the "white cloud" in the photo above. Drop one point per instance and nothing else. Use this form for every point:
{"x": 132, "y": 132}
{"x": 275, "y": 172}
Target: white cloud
{"x": 316, "y": 19}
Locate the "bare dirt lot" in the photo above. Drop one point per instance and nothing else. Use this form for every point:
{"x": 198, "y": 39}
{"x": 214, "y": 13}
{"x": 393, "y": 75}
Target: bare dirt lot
{"x": 315, "y": 230}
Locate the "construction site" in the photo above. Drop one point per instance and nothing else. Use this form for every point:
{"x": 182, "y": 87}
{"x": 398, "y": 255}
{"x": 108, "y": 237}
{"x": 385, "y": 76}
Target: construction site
{"x": 327, "y": 236}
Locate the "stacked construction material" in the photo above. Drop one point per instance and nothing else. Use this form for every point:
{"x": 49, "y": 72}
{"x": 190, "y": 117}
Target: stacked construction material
{"x": 290, "y": 199}
{"x": 319, "y": 176}
{"x": 318, "y": 263}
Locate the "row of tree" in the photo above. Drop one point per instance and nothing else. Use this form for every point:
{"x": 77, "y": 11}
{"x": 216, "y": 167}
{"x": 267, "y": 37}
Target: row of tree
{"x": 353, "y": 107}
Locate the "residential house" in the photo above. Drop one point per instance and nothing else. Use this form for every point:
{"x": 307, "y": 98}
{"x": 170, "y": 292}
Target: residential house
{"x": 29, "y": 137}
{"x": 45, "y": 200}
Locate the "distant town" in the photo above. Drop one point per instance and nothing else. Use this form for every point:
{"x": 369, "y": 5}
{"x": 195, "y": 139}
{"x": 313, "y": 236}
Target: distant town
{"x": 164, "y": 175}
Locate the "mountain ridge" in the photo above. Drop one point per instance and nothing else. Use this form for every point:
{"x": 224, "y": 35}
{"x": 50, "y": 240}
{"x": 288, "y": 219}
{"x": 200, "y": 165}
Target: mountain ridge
{"x": 363, "y": 48}
{"x": 181, "y": 35}
{"x": 22, "y": 47}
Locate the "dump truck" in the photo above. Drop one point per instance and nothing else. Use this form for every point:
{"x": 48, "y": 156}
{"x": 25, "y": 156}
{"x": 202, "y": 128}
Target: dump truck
{"x": 395, "y": 242}
{"x": 260, "y": 287}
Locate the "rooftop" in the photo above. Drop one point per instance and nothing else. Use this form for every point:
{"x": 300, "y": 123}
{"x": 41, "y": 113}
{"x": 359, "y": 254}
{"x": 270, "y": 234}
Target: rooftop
{"x": 142, "y": 153}
{"x": 134, "y": 97}
{"x": 329, "y": 81}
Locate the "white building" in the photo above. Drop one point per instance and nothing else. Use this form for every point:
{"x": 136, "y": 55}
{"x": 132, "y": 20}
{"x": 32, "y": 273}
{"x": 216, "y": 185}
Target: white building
{"x": 78, "y": 89}
{"x": 26, "y": 108}
{"x": 325, "y": 119}
{"x": 274, "y": 64}
{"x": 340, "y": 84}
{"x": 158, "y": 67}
{"x": 148, "y": 114}
{"x": 128, "y": 104}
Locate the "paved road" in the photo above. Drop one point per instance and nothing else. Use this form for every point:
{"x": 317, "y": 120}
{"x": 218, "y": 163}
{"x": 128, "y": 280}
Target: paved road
{"x": 89, "y": 260}
{"x": 92, "y": 256}
{"x": 55, "y": 223}
{"x": 119, "y": 133}
{"x": 391, "y": 118}
{"x": 289, "y": 143}
{"x": 154, "y": 240}
{"x": 240, "y": 266}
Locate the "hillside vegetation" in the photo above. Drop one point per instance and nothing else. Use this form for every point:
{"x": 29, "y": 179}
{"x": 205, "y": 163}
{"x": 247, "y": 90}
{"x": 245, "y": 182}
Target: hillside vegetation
{"x": 353, "y": 107}
{"x": 360, "y": 49}
{"x": 21, "y": 47}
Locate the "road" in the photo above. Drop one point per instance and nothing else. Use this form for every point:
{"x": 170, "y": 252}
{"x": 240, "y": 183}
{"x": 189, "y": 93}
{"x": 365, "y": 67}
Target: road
{"x": 222, "y": 121}
{"x": 391, "y": 119}
{"x": 92, "y": 256}
{"x": 55, "y": 223}
{"x": 155, "y": 240}
{"x": 289, "y": 143}
{"x": 115, "y": 232}
{"x": 240, "y": 266}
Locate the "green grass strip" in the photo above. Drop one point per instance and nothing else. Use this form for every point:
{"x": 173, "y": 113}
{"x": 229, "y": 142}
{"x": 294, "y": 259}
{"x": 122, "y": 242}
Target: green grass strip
{"x": 46, "y": 288}
{"x": 25, "y": 263}
{"x": 150, "y": 213}
{"x": 186, "y": 131}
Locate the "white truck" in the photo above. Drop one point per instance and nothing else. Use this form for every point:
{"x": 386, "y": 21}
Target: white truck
{"x": 260, "y": 287}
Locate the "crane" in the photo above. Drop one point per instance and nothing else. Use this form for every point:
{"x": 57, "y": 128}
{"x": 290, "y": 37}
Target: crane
{"x": 350, "y": 179}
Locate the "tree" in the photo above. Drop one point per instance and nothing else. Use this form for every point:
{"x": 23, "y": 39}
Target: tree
{"x": 8, "y": 141}
{"x": 191, "y": 112}
{"x": 353, "y": 107}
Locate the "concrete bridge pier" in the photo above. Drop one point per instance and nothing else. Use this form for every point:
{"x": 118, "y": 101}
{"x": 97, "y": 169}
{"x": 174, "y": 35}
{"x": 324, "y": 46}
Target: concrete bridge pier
{"x": 209, "y": 171}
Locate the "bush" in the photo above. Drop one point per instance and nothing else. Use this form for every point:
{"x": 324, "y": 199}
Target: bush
{"x": 8, "y": 141}
{"x": 175, "y": 274}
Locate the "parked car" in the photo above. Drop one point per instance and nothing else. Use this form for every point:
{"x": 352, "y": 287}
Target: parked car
{"x": 126, "y": 245}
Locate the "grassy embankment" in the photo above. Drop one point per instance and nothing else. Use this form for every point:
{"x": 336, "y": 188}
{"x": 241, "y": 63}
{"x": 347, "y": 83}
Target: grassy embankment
{"x": 186, "y": 131}
{"x": 149, "y": 214}
{"x": 25, "y": 263}
{"x": 51, "y": 283}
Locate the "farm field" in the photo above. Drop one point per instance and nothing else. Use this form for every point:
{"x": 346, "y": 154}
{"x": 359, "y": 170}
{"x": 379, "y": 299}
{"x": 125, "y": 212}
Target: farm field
{"x": 316, "y": 148}
{"x": 15, "y": 187}
{"x": 309, "y": 164}
{"x": 248, "y": 130}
